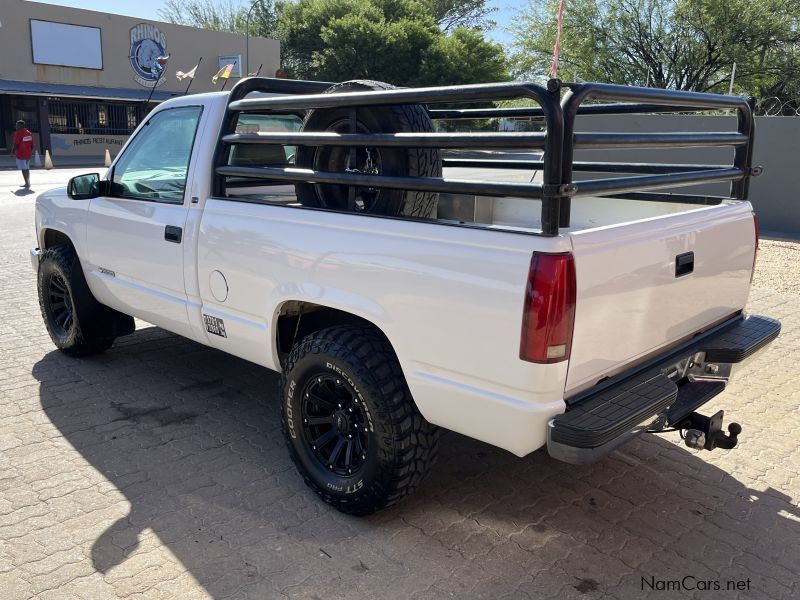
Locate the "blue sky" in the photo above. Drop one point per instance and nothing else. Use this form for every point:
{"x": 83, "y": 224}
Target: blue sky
{"x": 149, "y": 9}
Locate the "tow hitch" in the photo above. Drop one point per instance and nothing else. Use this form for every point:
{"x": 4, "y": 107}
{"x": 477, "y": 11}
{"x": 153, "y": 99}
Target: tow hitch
{"x": 703, "y": 432}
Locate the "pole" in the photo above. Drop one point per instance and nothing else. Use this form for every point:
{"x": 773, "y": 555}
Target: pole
{"x": 259, "y": 70}
{"x": 155, "y": 85}
{"x": 733, "y": 75}
{"x": 247, "y": 36}
{"x": 191, "y": 79}
{"x": 224, "y": 83}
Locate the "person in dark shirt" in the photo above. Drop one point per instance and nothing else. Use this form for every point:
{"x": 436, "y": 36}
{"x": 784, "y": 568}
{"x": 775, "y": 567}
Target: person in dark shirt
{"x": 22, "y": 150}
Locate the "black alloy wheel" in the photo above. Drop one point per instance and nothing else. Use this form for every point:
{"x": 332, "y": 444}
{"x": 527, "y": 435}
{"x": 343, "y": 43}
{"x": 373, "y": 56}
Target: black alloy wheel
{"x": 61, "y": 313}
{"x": 335, "y": 424}
{"x": 77, "y": 323}
{"x": 366, "y": 161}
{"x": 386, "y": 161}
{"x": 351, "y": 426}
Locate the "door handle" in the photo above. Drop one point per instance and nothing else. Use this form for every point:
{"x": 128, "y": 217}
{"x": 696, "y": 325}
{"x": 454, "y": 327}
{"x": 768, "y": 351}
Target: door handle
{"x": 684, "y": 264}
{"x": 173, "y": 234}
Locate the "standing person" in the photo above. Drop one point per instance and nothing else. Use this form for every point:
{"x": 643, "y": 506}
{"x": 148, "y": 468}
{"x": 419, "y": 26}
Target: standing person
{"x": 22, "y": 150}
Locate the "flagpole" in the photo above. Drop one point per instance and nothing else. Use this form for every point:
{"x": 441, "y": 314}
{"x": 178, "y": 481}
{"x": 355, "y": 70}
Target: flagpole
{"x": 259, "y": 69}
{"x": 191, "y": 79}
{"x": 155, "y": 85}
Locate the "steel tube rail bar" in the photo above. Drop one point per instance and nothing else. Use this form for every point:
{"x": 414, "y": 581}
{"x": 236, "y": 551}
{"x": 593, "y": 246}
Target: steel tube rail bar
{"x": 610, "y": 141}
{"x": 743, "y": 155}
{"x": 533, "y": 112}
{"x": 593, "y": 187}
{"x": 675, "y": 198}
{"x": 580, "y": 93}
{"x": 484, "y": 113}
{"x": 595, "y": 167}
{"x": 395, "y": 140}
{"x": 547, "y": 98}
{"x": 559, "y": 140}
{"x": 257, "y": 84}
{"x": 601, "y": 187}
{"x": 658, "y": 96}
{"x": 462, "y": 93}
{"x": 422, "y": 184}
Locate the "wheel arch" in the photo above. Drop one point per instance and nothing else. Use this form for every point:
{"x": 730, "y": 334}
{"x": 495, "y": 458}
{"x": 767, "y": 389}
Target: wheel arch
{"x": 49, "y": 237}
{"x": 295, "y": 319}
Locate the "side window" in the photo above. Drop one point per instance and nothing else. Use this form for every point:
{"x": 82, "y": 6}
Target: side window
{"x": 155, "y": 164}
{"x": 260, "y": 155}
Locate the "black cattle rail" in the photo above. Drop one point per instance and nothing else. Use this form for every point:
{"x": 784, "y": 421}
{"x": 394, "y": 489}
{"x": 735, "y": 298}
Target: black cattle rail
{"x": 556, "y": 143}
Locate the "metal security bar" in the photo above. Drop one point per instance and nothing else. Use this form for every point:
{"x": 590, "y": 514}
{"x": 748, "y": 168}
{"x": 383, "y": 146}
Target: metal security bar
{"x": 678, "y": 101}
{"x": 92, "y": 118}
{"x": 549, "y": 191}
{"x": 557, "y": 142}
{"x": 394, "y": 140}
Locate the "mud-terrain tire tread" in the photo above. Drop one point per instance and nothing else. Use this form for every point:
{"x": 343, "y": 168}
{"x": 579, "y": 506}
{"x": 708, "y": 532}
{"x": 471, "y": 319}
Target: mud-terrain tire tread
{"x": 65, "y": 260}
{"x": 370, "y": 359}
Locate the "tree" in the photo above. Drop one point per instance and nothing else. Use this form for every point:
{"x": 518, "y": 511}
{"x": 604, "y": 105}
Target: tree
{"x": 219, "y": 15}
{"x": 224, "y": 15}
{"x": 397, "y": 41}
{"x": 451, "y": 14}
{"x": 680, "y": 44}
{"x": 463, "y": 57}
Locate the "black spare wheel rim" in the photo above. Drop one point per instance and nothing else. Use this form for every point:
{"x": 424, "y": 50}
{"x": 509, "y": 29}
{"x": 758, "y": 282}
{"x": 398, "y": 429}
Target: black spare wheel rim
{"x": 60, "y": 309}
{"x": 365, "y": 161}
{"x": 335, "y": 424}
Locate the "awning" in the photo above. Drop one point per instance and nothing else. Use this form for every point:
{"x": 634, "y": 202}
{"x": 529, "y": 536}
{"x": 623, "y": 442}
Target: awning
{"x": 80, "y": 91}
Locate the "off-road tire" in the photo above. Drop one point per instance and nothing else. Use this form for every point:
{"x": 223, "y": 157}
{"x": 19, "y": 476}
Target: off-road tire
{"x": 90, "y": 327}
{"x": 402, "y": 162}
{"x": 401, "y": 445}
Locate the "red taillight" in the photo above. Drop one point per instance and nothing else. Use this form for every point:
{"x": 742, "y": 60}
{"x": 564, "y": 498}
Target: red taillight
{"x": 549, "y": 313}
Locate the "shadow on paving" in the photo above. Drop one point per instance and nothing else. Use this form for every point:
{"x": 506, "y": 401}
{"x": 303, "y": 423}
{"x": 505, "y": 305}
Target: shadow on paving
{"x": 191, "y": 436}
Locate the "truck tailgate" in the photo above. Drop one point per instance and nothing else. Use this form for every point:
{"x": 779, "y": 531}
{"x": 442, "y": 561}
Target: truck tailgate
{"x": 644, "y": 286}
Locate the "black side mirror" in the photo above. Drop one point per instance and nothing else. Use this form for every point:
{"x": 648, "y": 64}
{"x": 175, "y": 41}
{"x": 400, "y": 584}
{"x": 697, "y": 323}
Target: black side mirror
{"x": 84, "y": 187}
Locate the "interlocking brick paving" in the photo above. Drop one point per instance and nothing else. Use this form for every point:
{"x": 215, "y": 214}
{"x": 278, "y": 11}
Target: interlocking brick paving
{"x": 157, "y": 470}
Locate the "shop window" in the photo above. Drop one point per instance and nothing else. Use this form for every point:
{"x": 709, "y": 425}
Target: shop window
{"x": 92, "y": 118}
{"x": 24, "y": 108}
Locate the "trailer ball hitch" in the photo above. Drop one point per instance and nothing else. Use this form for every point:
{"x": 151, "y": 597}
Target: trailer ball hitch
{"x": 705, "y": 433}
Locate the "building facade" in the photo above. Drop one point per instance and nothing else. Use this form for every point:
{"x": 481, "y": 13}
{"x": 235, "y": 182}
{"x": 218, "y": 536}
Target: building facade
{"x": 82, "y": 80}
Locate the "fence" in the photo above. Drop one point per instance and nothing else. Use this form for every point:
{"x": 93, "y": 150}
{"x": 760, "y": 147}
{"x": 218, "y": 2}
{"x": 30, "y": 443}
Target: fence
{"x": 778, "y": 107}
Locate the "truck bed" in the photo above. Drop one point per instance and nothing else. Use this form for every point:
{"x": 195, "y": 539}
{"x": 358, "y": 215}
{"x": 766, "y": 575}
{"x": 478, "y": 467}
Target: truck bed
{"x": 588, "y": 212}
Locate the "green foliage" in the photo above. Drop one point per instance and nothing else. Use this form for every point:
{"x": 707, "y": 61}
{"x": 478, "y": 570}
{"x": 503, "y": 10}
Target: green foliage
{"x": 220, "y": 15}
{"x": 462, "y": 57}
{"x": 404, "y": 42}
{"x": 225, "y": 15}
{"x": 682, "y": 44}
{"x": 397, "y": 41}
{"x": 452, "y": 14}
{"x": 346, "y": 39}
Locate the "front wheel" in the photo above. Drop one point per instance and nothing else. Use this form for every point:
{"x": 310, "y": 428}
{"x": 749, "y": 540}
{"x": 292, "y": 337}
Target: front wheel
{"x": 352, "y": 428}
{"x": 76, "y": 322}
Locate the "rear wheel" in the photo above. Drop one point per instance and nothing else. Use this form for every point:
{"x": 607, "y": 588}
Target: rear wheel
{"x": 414, "y": 162}
{"x": 76, "y": 322}
{"x": 352, "y": 428}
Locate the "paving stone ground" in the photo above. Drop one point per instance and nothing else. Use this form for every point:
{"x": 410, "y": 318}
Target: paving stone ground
{"x": 157, "y": 470}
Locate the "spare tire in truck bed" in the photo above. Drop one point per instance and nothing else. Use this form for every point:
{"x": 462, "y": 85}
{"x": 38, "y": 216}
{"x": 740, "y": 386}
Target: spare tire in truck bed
{"x": 413, "y": 162}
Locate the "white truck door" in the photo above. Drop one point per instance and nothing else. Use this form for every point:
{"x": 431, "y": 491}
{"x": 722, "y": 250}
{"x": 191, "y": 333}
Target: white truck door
{"x": 135, "y": 235}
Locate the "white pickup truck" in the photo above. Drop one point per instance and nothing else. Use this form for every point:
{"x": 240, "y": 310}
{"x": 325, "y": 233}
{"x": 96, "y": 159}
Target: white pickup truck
{"x": 323, "y": 233}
